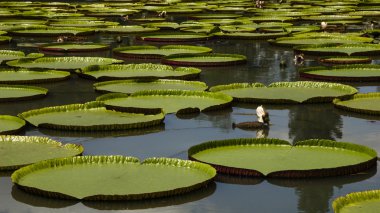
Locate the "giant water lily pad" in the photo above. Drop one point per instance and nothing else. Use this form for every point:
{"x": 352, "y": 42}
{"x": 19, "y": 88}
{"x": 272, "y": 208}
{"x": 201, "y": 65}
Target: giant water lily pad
{"x": 26, "y": 76}
{"x": 113, "y": 177}
{"x": 54, "y": 31}
{"x": 18, "y": 151}
{"x": 82, "y": 23}
{"x": 158, "y": 52}
{"x": 171, "y": 101}
{"x": 63, "y": 63}
{"x": 339, "y": 49}
{"x": 277, "y": 158}
{"x": 73, "y": 47}
{"x": 331, "y": 17}
{"x": 92, "y": 116}
{"x": 365, "y": 201}
{"x": 129, "y": 29}
{"x": 286, "y": 92}
{"x": 7, "y": 55}
{"x": 131, "y": 86}
{"x": 293, "y": 41}
{"x": 174, "y": 37}
{"x": 5, "y": 39}
{"x": 205, "y": 59}
{"x": 362, "y": 72}
{"x": 10, "y": 124}
{"x": 345, "y": 59}
{"x": 133, "y": 71}
{"x": 20, "y": 92}
{"x": 250, "y": 35}
{"x": 368, "y": 103}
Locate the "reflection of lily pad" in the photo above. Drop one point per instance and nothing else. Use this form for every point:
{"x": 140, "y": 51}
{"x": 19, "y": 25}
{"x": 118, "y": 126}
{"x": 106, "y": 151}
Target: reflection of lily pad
{"x": 155, "y": 52}
{"x": 277, "y": 158}
{"x": 113, "y": 177}
{"x": 133, "y": 71}
{"x": 362, "y": 72}
{"x": 339, "y": 49}
{"x": 18, "y": 151}
{"x": 174, "y": 37}
{"x": 365, "y": 201}
{"x": 131, "y": 86}
{"x": 170, "y": 101}
{"x": 25, "y": 76}
{"x": 64, "y": 63}
{"x": 20, "y": 92}
{"x": 206, "y": 59}
{"x": 73, "y": 47}
{"x": 362, "y": 103}
{"x": 286, "y": 92}
{"x": 10, "y": 124}
{"x": 92, "y": 116}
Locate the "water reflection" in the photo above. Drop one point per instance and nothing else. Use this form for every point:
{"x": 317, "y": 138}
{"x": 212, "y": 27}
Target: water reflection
{"x": 314, "y": 121}
{"x": 314, "y": 194}
{"x": 241, "y": 180}
{"x": 39, "y": 201}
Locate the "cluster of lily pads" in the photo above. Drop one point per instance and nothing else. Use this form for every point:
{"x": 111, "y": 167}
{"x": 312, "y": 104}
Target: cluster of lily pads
{"x": 140, "y": 95}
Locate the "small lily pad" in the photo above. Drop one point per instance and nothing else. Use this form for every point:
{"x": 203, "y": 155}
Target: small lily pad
{"x": 368, "y": 103}
{"x": 206, "y": 59}
{"x": 359, "y": 72}
{"x": 19, "y": 151}
{"x": 73, "y": 47}
{"x": 10, "y": 124}
{"x": 25, "y": 76}
{"x": 365, "y": 201}
{"x": 20, "y": 92}
{"x": 174, "y": 37}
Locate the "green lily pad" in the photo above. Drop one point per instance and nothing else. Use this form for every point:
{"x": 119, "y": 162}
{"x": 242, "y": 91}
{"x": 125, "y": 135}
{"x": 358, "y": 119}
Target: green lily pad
{"x": 129, "y": 29}
{"x": 362, "y": 72}
{"x": 174, "y": 37}
{"x": 293, "y": 41}
{"x": 113, "y": 177}
{"x": 132, "y": 86}
{"x": 83, "y": 23}
{"x": 271, "y": 18}
{"x": 277, "y": 158}
{"x": 19, "y": 151}
{"x": 133, "y": 71}
{"x": 171, "y": 101}
{"x": 54, "y": 31}
{"x": 10, "y": 124}
{"x": 158, "y": 52}
{"x": 345, "y": 59}
{"x": 365, "y": 201}
{"x": 7, "y": 55}
{"x": 73, "y": 47}
{"x": 163, "y": 25}
{"x": 62, "y": 63}
{"x": 331, "y": 17}
{"x": 250, "y": 35}
{"x": 22, "y": 22}
{"x": 25, "y": 76}
{"x": 216, "y": 15}
{"x": 20, "y": 92}
{"x": 92, "y": 116}
{"x": 5, "y": 39}
{"x": 204, "y": 59}
{"x": 286, "y": 92}
{"x": 339, "y": 49}
{"x": 368, "y": 103}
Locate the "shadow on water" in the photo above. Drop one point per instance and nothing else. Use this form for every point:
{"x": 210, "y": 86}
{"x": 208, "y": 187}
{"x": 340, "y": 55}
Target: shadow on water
{"x": 154, "y": 203}
{"x": 240, "y": 180}
{"x": 5, "y": 173}
{"x": 39, "y": 201}
{"x": 314, "y": 194}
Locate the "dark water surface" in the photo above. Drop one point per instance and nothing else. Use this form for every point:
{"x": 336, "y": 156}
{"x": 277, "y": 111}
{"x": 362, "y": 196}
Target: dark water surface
{"x": 228, "y": 194}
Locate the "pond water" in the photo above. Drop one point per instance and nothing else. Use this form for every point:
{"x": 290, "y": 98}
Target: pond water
{"x": 228, "y": 194}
